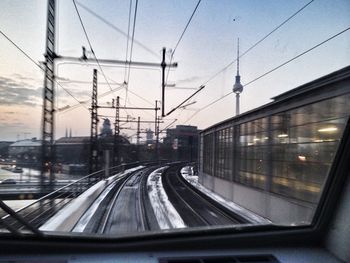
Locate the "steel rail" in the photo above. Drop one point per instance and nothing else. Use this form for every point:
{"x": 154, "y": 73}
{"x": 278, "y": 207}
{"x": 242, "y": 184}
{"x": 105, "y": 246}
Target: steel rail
{"x": 213, "y": 205}
{"x": 114, "y": 199}
{"x": 68, "y": 192}
{"x": 142, "y": 195}
{"x": 226, "y": 212}
{"x": 195, "y": 213}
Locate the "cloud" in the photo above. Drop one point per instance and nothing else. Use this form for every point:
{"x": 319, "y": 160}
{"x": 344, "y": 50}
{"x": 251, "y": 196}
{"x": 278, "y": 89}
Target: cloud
{"x": 24, "y": 78}
{"x": 8, "y": 124}
{"x": 187, "y": 80}
{"x": 13, "y": 92}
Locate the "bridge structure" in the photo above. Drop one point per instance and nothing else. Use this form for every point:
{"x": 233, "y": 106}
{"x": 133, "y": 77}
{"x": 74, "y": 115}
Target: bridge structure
{"x": 17, "y": 190}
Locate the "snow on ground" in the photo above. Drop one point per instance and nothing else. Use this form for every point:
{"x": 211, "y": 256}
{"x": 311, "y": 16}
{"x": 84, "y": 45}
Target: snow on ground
{"x": 112, "y": 180}
{"x": 72, "y": 212}
{"x": 85, "y": 219}
{"x": 187, "y": 173}
{"x": 166, "y": 214}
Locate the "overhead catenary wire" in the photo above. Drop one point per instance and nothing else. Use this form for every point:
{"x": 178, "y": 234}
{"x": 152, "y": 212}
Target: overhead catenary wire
{"x": 21, "y": 50}
{"x": 259, "y": 41}
{"x": 111, "y": 82}
{"x": 254, "y": 45}
{"x": 116, "y": 28}
{"x": 169, "y": 125}
{"x": 131, "y": 49}
{"x": 91, "y": 48}
{"x": 39, "y": 66}
{"x": 182, "y": 103}
{"x": 181, "y": 36}
{"x": 149, "y": 102}
{"x": 90, "y": 45}
{"x": 272, "y": 70}
{"x": 135, "y": 94}
{"x": 188, "y": 23}
{"x": 69, "y": 108}
{"x": 127, "y": 41}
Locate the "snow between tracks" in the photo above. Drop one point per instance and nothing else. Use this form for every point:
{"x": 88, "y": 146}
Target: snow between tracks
{"x": 166, "y": 214}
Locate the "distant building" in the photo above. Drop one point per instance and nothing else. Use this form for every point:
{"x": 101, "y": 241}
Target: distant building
{"x": 72, "y": 150}
{"x": 149, "y": 136}
{"x": 106, "y": 128}
{"x": 4, "y": 149}
{"x": 184, "y": 141}
{"x": 25, "y": 151}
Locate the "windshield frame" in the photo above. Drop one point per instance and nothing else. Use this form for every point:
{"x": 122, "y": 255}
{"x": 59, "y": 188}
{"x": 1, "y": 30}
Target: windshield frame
{"x": 223, "y": 237}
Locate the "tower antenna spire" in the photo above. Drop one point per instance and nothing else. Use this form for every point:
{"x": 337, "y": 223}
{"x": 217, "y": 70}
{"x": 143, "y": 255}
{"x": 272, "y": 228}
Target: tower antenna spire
{"x": 237, "y": 87}
{"x": 238, "y": 57}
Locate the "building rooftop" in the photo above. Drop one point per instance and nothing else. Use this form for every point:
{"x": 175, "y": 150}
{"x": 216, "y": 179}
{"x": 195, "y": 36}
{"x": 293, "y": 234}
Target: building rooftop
{"x": 73, "y": 140}
{"x": 26, "y": 143}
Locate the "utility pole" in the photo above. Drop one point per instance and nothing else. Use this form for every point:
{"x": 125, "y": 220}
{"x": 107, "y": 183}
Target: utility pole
{"x": 156, "y": 129}
{"x": 163, "y": 65}
{"x": 48, "y": 118}
{"x": 138, "y": 131}
{"x": 138, "y": 138}
{"x": 116, "y": 134}
{"x": 94, "y": 129}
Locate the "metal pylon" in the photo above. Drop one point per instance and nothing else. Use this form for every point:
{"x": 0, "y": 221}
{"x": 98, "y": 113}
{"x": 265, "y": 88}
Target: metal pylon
{"x": 48, "y": 120}
{"x": 116, "y": 134}
{"x": 94, "y": 129}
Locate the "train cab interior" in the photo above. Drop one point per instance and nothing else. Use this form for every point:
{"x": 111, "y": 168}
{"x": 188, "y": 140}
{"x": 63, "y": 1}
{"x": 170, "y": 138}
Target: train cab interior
{"x": 283, "y": 155}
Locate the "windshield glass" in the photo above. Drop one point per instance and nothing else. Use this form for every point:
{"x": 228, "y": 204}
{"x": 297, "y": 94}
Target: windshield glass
{"x": 119, "y": 117}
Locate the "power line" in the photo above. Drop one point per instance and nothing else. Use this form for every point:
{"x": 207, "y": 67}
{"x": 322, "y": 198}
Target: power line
{"x": 131, "y": 48}
{"x": 69, "y": 108}
{"x": 39, "y": 66}
{"x": 188, "y": 23}
{"x": 135, "y": 94}
{"x": 272, "y": 70}
{"x": 88, "y": 39}
{"x": 301, "y": 54}
{"x": 182, "y": 34}
{"x": 127, "y": 40}
{"x": 113, "y": 81}
{"x": 182, "y": 103}
{"x": 261, "y": 40}
{"x": 168, "y": 126}
{"x": 116, "y": 28}
{"x": 20, "y": 49}
{"x": 258, "y": 42}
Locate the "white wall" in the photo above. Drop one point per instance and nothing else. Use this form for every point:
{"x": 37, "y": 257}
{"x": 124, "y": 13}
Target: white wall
{"x": 276, "y": 208}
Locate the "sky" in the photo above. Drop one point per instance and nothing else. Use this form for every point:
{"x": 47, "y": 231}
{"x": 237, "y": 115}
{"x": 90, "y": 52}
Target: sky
{"x": 208, "y": 45}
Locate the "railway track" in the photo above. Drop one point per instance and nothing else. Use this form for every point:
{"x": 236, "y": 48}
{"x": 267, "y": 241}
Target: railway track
{"x": 195, "y": 208}
{"x": 129, "y": 207}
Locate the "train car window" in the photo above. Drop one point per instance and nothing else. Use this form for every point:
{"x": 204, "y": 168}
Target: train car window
{"x": 120, "y": 118}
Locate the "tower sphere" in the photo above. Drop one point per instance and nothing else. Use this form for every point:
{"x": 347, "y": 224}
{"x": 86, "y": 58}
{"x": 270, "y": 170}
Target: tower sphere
{"x": 238, "y": 87}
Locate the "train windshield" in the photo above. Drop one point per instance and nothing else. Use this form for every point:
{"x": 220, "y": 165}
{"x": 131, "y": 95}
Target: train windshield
{"x": 127, "y": 117}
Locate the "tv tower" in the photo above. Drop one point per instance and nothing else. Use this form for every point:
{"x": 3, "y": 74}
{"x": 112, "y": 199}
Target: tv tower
{"x": 237, "y": 87}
